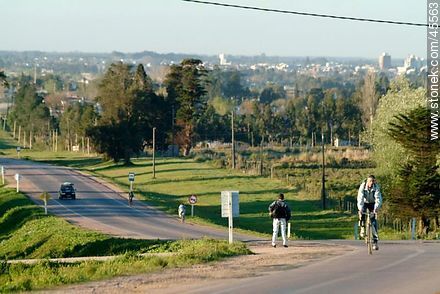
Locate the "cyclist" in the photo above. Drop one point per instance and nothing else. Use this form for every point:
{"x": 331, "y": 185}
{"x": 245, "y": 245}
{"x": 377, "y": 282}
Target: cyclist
{"x": 130, "y": 197}
{"x": 181, "y": 212}
{"x": 369, "y": 196}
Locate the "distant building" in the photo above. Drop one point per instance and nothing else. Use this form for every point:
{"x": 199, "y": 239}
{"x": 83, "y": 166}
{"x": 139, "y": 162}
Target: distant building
{"x": 222, "y": 58}
{"x": 413, "y": 62}
{"x": 385, "y": 61}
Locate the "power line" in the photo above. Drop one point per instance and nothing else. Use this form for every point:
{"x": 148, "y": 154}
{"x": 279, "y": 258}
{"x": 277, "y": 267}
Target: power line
{"x": 309, "y": 14}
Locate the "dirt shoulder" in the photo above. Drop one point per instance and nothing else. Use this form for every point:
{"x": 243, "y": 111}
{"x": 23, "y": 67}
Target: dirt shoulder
{"x": 265, "y": 260}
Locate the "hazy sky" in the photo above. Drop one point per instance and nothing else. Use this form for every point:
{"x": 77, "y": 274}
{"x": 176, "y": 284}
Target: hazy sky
{"x": 176, "y": 26}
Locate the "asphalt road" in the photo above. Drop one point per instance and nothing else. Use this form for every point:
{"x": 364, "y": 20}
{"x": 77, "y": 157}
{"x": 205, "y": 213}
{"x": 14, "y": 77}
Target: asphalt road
{"x": 101, "y": 206}
{"x": 398, "y": 267}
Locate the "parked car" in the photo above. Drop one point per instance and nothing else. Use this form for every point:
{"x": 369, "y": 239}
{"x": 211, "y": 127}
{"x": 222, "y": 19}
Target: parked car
{"x": 67, "y": 191}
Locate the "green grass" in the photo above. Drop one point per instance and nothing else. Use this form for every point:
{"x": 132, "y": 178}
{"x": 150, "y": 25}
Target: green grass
{"x": 22, "y": 277}
{"x": 26, "y": 232}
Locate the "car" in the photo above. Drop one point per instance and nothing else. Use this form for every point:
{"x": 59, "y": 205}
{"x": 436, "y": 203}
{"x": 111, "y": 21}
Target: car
{"x": 67, "y": 191}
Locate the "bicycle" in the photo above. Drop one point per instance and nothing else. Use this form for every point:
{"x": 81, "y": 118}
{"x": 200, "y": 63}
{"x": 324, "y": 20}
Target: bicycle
{"x": 368, "y": 229}
{"x": 130, "y": 198}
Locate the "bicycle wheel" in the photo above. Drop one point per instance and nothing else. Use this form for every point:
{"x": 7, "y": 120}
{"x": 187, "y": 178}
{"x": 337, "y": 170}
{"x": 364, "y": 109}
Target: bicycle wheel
{"x": 369, "y": 236}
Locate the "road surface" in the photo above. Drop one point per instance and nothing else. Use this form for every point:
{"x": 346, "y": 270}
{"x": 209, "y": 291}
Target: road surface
{"x": 398, "y": 267}
{"x": 101, "y": 206}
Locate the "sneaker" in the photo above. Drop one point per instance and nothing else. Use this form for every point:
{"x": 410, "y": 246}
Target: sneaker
{"x": 285, "y": 246}
{"x": 375, "y": 246}
{"x": 274, "y": 245}
{"x": 362, "y": 234}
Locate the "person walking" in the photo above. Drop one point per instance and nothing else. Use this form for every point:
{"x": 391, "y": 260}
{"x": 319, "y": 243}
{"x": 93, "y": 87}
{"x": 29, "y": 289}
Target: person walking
{"x": 369, "y": 197}
{"x": 181, "y": 211}
{"x": 280, "y": 212}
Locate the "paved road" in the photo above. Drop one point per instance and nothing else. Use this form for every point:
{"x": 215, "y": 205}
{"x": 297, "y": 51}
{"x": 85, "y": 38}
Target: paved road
{"x": 398, "y": 267}
{"x": 101, "y": 206}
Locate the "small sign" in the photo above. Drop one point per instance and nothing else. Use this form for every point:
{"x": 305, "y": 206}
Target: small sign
{"x": 131, "y": 177}
{"x": 18, "y": 148}
{"x": 192, "y": 199}
{"x": 17, "y": 177}
{"x": 45, "y": 196}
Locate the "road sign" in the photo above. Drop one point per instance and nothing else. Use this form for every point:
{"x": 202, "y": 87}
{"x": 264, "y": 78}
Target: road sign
{"x": 192, "y": 199}
{"x": 234, "y": 203}
{"x": 230, "y": 210}
{"x": 17, "y": 177}
{"x": 18, "y": 148}
{"x": 131, "y": 177}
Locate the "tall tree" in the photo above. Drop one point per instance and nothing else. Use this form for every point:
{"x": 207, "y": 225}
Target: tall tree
{"x": 30, "y": 111}
{"x": 185, "y": 86}
{"x": 130, "y": 109}
{"x": 417, "y": 193}
{"x": 3, "y": 80}
{"x": 370, "y": 99}
{"x": 75, "y": 121}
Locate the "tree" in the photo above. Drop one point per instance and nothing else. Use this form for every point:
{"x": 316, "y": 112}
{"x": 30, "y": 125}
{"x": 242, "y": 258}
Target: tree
{"x": 3, "y": 80}
{"x": 75, "y": 121}
{"x": 417, "y": 192}
{"x": 272, "y": 93}
{"x": 130, "y": 109}
{"x": 185, "y": 86}
{"x": 369, "y": 100}
{"x": 30, "y": 111}
{"x": 388, "y": 155}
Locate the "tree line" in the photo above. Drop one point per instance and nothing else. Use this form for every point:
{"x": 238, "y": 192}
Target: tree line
{"x": 191, "y": 104}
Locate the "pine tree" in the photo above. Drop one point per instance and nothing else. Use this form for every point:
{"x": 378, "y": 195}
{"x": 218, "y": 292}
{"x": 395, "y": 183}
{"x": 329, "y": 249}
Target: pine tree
{"x": 417, "y": 193}
{"x": 186, "y": 93}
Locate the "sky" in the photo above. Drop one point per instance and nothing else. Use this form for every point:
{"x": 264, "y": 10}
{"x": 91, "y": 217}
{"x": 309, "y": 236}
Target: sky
{"x": 166, "y": 26}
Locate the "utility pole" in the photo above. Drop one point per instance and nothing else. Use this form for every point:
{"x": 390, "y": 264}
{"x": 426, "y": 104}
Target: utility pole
{"x": 154, "y": 151}
{"x": 172, "y": 129}
{"x": 233, "y": 140}
{"x": 323, "y": 174}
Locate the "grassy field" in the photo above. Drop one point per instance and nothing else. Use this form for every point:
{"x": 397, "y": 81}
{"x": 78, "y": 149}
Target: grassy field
{"x": 178, "y": 178}
{"x": 26, "y": 232}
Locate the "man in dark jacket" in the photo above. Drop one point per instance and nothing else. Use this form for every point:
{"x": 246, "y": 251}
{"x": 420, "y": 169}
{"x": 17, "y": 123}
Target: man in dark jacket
{"x": 280, "y": 212}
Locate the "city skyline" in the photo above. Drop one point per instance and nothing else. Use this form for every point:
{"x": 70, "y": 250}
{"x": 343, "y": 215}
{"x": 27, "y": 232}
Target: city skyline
{"x": 181, "y": 27}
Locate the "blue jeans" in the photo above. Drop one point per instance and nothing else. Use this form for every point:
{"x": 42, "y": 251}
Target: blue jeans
{"x": 370, "y": 207}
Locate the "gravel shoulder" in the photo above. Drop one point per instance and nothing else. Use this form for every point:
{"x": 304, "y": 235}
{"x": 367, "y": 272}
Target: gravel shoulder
{"x": 265, "y": 260}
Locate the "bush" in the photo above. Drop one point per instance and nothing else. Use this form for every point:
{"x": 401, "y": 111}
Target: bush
{"x": 219, "y": 163}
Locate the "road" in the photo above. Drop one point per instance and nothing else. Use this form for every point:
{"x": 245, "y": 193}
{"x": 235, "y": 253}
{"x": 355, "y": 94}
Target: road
{"x": 398, "y": 267}
{"x": 101, "y": 206}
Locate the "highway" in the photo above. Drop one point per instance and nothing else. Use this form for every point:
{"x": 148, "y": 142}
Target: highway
{"x": 101, "y": 206}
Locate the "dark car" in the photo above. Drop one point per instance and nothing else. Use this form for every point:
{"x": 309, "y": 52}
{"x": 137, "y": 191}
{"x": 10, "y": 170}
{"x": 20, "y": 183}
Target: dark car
{"x": 67, "y": 191}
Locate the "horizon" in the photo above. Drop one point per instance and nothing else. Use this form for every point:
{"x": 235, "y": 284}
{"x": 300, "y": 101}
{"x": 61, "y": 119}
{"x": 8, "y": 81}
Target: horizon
{"x": 207, "y": 55}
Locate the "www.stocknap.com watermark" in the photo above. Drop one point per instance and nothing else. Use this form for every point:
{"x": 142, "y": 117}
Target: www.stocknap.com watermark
{"x": 433, "y": 66}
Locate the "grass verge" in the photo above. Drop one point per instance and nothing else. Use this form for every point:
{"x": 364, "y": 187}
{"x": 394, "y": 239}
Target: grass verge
{"x": 26, "y": 232}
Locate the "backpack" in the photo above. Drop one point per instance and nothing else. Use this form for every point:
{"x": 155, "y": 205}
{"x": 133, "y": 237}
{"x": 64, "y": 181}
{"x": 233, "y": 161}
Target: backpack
{"x": 279, "y": 211}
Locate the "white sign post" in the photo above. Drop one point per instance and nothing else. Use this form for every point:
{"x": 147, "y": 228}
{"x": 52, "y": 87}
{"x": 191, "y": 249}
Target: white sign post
{"x": 230, "y": 209}
{"x": 131, "y": 179}
{"x": 17, "y": 178}
{"x": 3, "y": 175}
{"x": 192, "y": 200}
{"x": 18, "y": 151}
